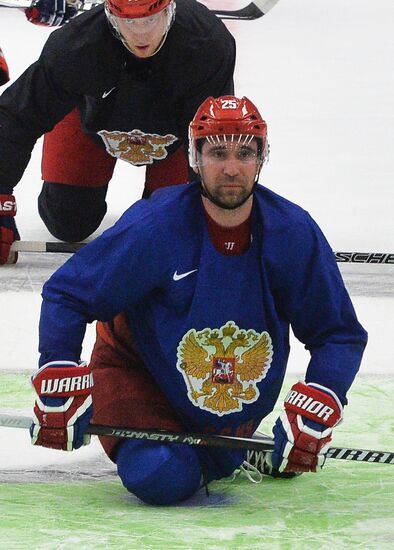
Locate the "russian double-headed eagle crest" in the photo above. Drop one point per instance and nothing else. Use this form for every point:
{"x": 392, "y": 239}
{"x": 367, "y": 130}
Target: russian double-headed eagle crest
{"x": 136, "y": 147}
{"x": 221, "y": 367}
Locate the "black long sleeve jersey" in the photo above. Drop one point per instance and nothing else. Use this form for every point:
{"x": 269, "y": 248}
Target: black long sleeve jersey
{"x": 123, "y": 100}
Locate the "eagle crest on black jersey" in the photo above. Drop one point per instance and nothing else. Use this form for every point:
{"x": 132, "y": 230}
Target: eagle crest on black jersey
{"x": 136, "y": 147}
{"x": 221, "y": 367}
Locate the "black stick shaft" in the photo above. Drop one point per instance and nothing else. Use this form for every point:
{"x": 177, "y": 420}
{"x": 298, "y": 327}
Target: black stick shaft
{"x": 49, "y": 246}
{"x": 200, "y": 440}
{"x": 230, "y": 442}
{"x": 206, "y": 440}
{"x": 69, "y": 248}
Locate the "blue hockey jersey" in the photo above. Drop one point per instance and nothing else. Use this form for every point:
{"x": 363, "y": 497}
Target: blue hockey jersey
{"x": 213, "y": 330}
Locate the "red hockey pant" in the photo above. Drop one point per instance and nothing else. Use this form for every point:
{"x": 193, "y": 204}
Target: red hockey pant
{"x": 76, "y": 172}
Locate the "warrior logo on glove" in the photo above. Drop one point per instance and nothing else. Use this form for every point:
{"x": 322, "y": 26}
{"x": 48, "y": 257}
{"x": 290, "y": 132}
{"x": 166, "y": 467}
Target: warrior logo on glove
{"x": 63, "y": 408}
{"x": 315, "y": 409}
{"x": 303, "y": 431}
{"x": 66, "y": 386}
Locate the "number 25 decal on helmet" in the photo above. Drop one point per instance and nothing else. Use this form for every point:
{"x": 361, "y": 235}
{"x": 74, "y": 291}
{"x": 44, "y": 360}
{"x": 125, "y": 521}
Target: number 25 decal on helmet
{"x": 229, "y": 118}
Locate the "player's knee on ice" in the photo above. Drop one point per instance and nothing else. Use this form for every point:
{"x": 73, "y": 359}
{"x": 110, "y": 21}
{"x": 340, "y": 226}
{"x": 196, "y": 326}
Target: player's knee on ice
{"x": 71, "y": 213}
{"x": 157, "y": 473}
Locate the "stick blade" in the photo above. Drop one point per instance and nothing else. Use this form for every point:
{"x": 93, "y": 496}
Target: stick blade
{"x": 252, "y": 11}
{"x": 248, "y": 13}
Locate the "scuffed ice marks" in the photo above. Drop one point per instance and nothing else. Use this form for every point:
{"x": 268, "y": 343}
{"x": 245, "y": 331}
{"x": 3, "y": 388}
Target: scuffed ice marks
{"x": 33, "y": 269}
{"x": 30, "y": 272}
{"x": 58, "y": 476}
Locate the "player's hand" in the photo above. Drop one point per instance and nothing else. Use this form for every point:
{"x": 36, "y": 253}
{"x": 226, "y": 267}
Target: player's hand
{"x": 8, "y": 230}
{"x": 303, "y": 432}
{"x": 50, "y": 13}
{"x": 63, "y": 408}
{"x": 4, "y": 73}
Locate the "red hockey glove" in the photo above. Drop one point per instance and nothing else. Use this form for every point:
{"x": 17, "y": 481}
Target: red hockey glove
{"x": 4, "y": 73}
{"x": 8, "y": 230}
{"x": 303, "y": 432}
{"x": 50, "y": 13}
{"x": 63, "y": 408}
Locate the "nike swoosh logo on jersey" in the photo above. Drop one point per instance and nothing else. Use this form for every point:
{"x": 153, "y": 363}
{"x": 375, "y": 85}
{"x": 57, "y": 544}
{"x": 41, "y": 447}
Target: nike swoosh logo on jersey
{"x": 177, "y": 276}
{"x": 105, "y": 94}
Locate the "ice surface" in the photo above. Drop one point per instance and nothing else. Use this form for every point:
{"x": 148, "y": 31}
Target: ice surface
{"x": 51, "y": 500}
{"x": 322, "y": 74}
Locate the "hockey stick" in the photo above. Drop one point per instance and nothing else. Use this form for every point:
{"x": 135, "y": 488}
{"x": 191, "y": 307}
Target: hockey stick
{"x": 70, "y": 248}
{"x": 49, "y": 246}
{"x": 252, "y": 11}
{"x": 206, "y": 440}
{"x": 365, "y": 257}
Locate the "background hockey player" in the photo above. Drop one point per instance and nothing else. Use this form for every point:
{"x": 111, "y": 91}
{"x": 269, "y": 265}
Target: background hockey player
{"x": 124, "y": 79}
{"x": 208, "y": 276}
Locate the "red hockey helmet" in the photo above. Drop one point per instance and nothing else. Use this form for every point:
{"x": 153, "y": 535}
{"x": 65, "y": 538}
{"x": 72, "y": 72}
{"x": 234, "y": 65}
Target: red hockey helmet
{"x": 134, "y": 9}
{"x": 226, "y": 116}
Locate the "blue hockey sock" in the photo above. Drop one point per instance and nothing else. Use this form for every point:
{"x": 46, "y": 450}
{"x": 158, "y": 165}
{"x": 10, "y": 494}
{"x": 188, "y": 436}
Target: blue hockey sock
{"x": 158, "y": 473}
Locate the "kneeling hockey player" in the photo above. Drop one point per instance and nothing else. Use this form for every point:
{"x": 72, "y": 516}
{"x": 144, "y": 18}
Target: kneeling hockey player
{"x": 207, "y": 276}
{"x": 121, "y": 81}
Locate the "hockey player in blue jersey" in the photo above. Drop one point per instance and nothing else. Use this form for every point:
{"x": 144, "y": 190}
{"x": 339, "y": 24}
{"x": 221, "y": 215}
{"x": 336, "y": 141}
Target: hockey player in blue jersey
{"x": 208, "y": 277}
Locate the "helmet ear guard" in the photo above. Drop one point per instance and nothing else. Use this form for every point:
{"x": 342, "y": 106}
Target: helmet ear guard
{"x": 227, "y": 118}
